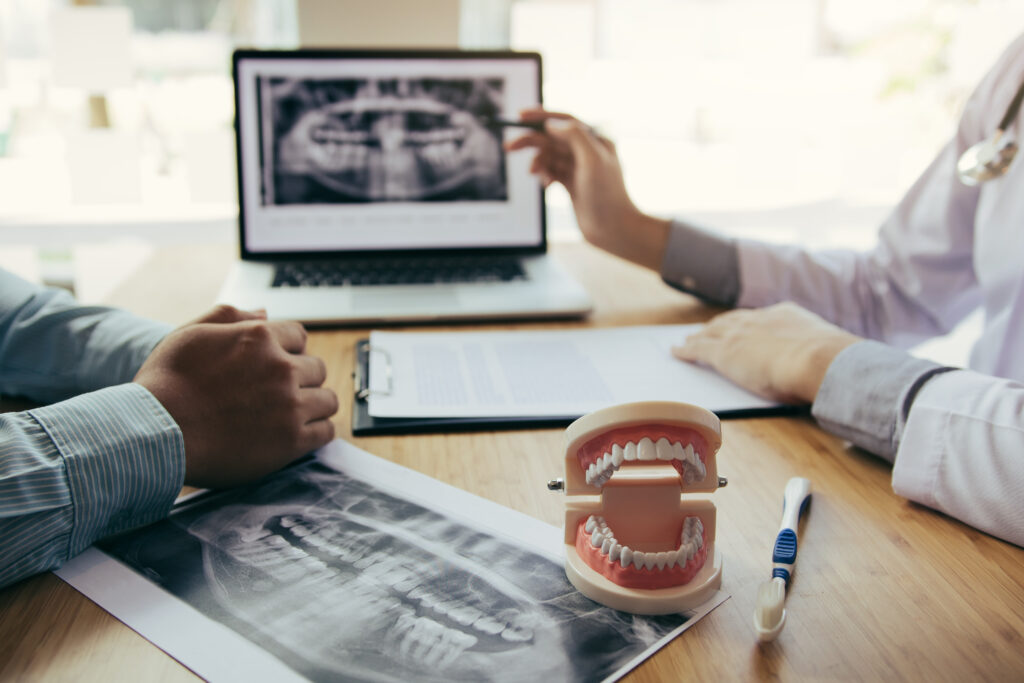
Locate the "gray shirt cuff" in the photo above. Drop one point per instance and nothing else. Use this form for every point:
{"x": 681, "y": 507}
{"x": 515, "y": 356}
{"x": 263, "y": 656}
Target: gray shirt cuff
{"x": 701, "y": 263}
{"x": 867, "y": 392}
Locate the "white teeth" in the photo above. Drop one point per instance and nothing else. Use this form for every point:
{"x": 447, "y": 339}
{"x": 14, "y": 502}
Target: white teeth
{"x": 618, "y": 456}
{"x": 690, "y": 541}
{"x": 464, "y": 615}
{"x": 694, "y": 469}
{"x": 645, "y": 450}
{"x": 408, "y": 584}
{"x": 687, "y": 532}
{"x": 250, "y": 535}
{"x": 600, "y": 471}
{"x": 693, "y": 530}
{"x": 517, "y": 635}
{"x": 629, "y": 451}
{"x": 364, "y": 562}
{"x": 661, "y": 559}
{"x": 489, "y": 625}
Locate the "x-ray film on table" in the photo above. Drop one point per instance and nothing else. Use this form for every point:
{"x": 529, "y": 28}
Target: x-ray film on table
{"x": 350, "y": 568}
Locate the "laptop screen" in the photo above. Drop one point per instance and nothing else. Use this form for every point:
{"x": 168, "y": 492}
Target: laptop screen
{"x": 342, "y": 151}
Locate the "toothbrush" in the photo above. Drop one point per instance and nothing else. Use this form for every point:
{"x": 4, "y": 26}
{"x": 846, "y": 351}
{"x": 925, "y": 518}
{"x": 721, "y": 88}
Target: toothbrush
{"x": 770, "y": 612}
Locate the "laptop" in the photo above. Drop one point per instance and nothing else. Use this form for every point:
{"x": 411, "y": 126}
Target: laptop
{"x": 373, "y": 188}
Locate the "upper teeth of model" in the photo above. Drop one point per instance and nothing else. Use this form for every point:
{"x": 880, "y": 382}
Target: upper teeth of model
{"x": 690, "y": 541}
{"x": 601, "y": 470}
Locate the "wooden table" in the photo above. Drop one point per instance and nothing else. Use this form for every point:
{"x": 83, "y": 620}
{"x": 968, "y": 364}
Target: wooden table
{"x": 885, "y": 589}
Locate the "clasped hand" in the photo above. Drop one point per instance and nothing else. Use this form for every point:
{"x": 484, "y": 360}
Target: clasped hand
{"x": 247, "y": 397}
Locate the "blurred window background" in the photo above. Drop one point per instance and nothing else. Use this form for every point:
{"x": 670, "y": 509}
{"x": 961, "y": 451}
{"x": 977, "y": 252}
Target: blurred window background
{"x": 791, "y": 120}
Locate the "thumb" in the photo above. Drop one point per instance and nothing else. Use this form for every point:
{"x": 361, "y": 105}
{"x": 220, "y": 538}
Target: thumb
{"x": 225, "y": 314}
{"x": 685, "y": 352}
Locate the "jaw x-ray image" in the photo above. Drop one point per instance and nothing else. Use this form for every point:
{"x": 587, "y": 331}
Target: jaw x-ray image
{"x": 360, "y": 140}
{"x": 342, "y": 581}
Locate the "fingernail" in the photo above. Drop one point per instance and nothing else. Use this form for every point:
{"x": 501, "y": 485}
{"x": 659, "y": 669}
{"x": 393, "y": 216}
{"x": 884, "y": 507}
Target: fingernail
{"x": 558, "y": 125}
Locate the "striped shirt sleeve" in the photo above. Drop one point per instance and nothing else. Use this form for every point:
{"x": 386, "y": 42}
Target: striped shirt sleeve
{"x": 82, "y": 469}
{"x": 53, "y": 348}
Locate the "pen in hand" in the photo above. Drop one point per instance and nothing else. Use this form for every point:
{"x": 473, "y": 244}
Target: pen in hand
{"x": 505, "y": 123}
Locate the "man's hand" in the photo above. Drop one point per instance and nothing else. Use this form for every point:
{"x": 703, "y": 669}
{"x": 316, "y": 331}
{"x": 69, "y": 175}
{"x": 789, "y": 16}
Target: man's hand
{"x": 781, "y": 352}
{"x": 571, "y": 153}
{"x": 246, "y": 397}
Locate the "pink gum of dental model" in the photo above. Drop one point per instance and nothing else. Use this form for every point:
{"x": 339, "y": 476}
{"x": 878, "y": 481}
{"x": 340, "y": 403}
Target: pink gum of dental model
{"x": 644, "y": 504}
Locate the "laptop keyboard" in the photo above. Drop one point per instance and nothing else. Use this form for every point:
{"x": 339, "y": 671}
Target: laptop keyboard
{"x": 404, "y": 271}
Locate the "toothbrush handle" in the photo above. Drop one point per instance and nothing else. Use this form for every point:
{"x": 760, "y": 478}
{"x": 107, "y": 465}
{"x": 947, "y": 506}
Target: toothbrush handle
{"x": 794, "y": 503}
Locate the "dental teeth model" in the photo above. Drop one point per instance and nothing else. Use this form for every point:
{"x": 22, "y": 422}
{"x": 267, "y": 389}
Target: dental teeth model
{"x": 634, "y": 540}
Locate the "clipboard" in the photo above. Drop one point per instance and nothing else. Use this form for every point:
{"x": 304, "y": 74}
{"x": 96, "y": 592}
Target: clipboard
{"x": 364, "y": 424}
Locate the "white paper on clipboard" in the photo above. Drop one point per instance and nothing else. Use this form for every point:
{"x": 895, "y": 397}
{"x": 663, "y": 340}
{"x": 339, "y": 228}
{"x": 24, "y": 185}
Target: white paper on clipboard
{"x": 540, "y": 373}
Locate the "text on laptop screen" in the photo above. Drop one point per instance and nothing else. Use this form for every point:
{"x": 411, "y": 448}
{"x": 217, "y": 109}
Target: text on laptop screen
{"x": 341, "y": 153}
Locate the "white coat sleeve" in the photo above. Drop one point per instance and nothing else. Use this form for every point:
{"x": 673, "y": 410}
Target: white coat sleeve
{"x": 962, "y": 451}
{"x": 956, "y": 436}
{"x": 919, "y": 280}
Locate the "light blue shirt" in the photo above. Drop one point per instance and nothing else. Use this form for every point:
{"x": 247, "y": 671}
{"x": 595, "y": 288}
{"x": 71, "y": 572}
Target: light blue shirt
{"x": 105, "y": 456}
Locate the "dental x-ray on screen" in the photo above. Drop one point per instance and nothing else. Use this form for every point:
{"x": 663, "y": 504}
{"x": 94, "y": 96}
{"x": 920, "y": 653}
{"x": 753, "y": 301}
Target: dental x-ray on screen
{"x": 388, "y": 139}
{"x": 373, "y": 186}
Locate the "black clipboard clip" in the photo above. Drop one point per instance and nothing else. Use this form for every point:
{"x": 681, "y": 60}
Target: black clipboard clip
{"x": 361, "y": 376}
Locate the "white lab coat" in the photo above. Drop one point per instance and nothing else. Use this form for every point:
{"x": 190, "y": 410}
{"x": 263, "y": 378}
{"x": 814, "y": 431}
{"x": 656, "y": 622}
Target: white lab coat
{"x": 946, "y": 250}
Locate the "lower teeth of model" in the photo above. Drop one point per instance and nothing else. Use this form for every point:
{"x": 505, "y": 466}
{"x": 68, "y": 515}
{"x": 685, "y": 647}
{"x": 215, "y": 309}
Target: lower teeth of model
{"x": 690, "y": 541}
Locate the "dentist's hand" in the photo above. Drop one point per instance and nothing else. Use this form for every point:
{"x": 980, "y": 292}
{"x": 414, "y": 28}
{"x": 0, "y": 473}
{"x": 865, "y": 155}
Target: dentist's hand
{"x": 573, "y": 154}
{"x": 780, "y": 352}
{"x": 247, "y": 398}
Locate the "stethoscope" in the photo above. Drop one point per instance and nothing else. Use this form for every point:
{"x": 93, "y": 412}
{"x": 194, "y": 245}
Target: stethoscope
{"x": 990, "y": 158}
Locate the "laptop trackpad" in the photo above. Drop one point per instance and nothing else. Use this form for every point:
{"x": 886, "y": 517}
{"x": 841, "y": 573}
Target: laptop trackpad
{"x": 370, "y": 299}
